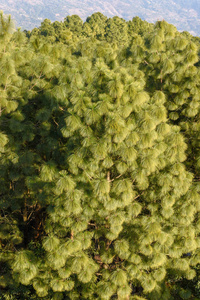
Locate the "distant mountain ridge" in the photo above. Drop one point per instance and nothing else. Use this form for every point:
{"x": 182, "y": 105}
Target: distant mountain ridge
{"x": 184, "y": 14}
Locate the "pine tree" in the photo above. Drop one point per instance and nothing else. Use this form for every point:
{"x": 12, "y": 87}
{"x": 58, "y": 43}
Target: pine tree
{"x": 98, "y": 197}
{"x": 95, "y": 26}
{"x": 116, "y": 30}
{"x": 140, "y": 27}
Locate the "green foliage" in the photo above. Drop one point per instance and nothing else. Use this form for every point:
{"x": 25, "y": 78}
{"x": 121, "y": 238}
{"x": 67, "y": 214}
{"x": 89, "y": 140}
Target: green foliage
{"x": 99, "y": 154}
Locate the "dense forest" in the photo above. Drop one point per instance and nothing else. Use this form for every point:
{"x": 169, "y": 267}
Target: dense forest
{"x": 100, "y": 160}
{"x": 184, "y": 14}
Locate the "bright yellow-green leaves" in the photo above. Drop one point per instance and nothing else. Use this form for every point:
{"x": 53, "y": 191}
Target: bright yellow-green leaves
{"x": 98, "y": 176}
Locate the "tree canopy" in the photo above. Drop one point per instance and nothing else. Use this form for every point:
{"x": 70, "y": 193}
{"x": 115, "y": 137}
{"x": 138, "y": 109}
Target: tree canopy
{"x": 100, "y": 160}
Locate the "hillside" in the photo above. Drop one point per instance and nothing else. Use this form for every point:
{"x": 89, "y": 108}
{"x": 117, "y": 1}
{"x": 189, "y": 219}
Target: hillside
{"x": 184, "y": 14}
